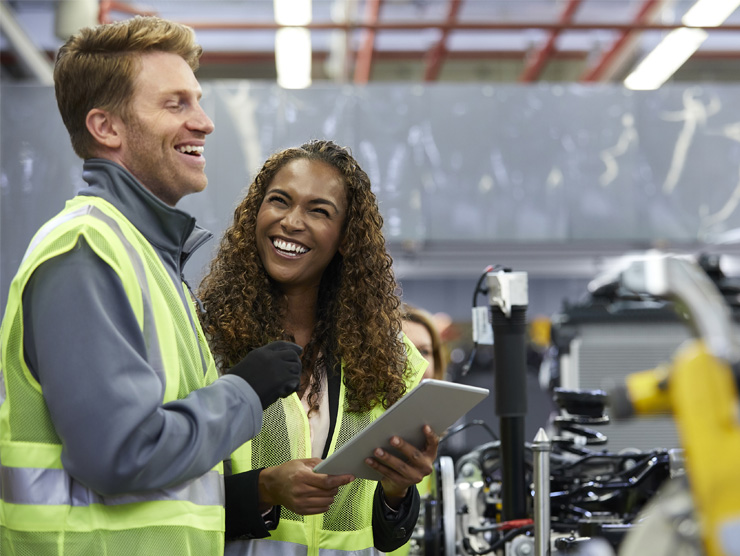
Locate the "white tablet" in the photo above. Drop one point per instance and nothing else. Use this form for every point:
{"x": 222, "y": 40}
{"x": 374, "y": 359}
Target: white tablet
{"x": 433, "y": 402}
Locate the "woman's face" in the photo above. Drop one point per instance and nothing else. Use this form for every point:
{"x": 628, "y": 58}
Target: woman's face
{"x": 300, "y": 223}
{"x": 422, "y": 339}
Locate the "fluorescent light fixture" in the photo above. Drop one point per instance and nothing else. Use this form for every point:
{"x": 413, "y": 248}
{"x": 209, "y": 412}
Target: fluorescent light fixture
{"x": 679, "y": 45}
{"x": 709, "y": 13}
{"x": 293, "y": 44}
{"x": 73, "y": 15}
{"x": 670, "y": 54}
{"x": 293, "y": 57}
{"x": 292, "y": 12}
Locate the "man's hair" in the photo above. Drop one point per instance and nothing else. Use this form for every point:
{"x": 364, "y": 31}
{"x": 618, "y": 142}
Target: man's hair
{"x": 97, "y": 68}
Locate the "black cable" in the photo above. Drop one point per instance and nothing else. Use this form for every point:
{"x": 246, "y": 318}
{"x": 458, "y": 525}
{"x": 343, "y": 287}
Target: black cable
{"x": 501, "y": 541}
{"x": 478, "y": 285}
{"x": 484, "y": 290}
{"x": 464, "y": 426}
{"x": 510, "y": 535}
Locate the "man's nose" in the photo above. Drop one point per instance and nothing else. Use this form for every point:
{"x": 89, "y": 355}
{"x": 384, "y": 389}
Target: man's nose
{"x": 200, "y": 121}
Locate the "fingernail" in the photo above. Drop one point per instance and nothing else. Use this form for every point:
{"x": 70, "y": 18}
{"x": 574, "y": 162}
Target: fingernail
{"x": 379, "y": 452}
{"x": 395, "y": 441}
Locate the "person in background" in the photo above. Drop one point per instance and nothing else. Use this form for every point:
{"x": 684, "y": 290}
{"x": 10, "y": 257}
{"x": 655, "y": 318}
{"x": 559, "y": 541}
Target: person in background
{"x": 113, "y": 421}
{"x": 420, "y": 328}
{"x": 305, "y": 260}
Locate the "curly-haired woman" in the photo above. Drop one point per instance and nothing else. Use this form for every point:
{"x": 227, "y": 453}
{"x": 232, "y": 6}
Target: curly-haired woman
{"x": 305, "y": 261}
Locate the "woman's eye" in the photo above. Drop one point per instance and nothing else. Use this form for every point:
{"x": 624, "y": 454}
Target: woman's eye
{"x": 276, "y": 199}
{"x": 322, "y": 211}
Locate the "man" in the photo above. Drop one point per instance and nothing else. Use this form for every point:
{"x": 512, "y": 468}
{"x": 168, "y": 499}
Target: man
{"x": 113, "y": 422}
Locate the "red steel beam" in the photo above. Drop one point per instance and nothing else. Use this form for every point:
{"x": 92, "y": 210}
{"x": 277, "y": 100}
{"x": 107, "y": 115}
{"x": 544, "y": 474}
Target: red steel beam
{"x": 234, "y": 57}
{"x": 364, "y": 60}
{"x": 595, "y": 72}
{"x": 458, "y": 26}
{"x": 108, "y": 6}
{"x": 8, "y": 58}
{"x": 438, "y": 52}
{"x": 537, "y": 63}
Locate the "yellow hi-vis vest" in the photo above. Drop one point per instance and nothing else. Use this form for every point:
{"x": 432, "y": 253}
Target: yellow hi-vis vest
{"x": 43, "y": 510}
{"x": 346, "y": 528}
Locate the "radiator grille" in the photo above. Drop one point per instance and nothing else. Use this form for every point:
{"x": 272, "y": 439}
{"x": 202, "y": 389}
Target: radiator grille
{"x": 605, "y": 353}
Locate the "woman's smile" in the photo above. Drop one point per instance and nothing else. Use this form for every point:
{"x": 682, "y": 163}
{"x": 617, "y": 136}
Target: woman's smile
{"x": 300, "y": 223}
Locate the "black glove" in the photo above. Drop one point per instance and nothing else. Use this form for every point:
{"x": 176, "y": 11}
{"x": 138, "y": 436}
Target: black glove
{"x": 273, "y": 371}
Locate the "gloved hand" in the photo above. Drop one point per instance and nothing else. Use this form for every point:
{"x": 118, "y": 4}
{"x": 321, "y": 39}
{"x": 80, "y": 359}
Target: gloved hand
{"x": 273, "y": 371}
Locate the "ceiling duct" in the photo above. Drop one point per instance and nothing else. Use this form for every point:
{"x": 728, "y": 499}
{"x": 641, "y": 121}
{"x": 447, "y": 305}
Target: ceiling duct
{"x": 33, "y": 62}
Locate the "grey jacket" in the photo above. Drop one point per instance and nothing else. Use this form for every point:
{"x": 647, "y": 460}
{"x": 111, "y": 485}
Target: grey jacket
{"x": 83, "y": 344}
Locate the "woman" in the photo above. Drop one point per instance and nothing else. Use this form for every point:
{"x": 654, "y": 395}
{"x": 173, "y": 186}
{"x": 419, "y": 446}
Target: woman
{"x": 305, "y": 261}
{"x": 419, "y": 327}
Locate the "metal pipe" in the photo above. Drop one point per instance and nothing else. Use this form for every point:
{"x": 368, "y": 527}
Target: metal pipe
{"x": 437, "y": 53}
{"x": 34, "y": 62}
{"x": 619, "y": 49}
{"x": 534, "y": 66}
{"x": 444, "y": 25}
{"x": 364, "y": 59}
{"x": 508, "y": 298}
{"x": 541, "y": 460}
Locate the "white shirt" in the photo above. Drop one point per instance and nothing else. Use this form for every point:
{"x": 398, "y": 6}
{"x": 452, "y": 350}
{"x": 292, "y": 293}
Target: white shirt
{"x": 318, "y": 421}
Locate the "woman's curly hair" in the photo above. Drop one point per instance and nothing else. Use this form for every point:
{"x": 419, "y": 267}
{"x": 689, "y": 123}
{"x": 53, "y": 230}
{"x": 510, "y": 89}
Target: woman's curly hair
{"x": 358, "y": 320}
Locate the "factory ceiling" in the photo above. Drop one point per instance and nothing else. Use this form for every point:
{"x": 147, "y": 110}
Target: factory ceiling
{"x": 360, "y": 41}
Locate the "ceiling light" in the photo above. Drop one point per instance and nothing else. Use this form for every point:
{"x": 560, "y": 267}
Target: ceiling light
{"x": 292, "y": 12}
{"x": 680, "y": 44}
{"x": 293, "y": 44}
{"x": 709, "y": 13}
{"x": 73, "y": 15}
{"x": 293, "y": 57}
{"x": 670, "y": 54}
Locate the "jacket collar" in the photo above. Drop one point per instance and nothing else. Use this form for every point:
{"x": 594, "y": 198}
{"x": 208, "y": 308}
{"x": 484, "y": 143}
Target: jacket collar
{"x": 167, "y": 228}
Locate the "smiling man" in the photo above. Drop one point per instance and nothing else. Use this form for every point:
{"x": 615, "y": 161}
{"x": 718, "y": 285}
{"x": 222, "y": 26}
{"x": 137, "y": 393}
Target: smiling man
{"x": 113, "y": 420}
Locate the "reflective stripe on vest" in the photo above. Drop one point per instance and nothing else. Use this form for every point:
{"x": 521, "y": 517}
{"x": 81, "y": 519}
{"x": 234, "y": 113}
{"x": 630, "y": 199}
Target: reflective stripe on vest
{"x": 37, "y": 496}
{"x": 52, "y": 487}
{"x": 365, "y": 552}
{"x": 265, "y": 547}
{"x": 150, "y": 333}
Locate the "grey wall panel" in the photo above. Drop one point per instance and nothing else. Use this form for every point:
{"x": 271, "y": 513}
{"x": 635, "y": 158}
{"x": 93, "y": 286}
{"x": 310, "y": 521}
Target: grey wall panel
{"x": 477, "y": 166}
{"x": 38, "y": 170}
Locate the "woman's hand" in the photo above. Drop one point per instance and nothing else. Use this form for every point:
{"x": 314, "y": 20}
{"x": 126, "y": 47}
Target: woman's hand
{"x": 295, "y": 486}
{"x": 399, "y": 474}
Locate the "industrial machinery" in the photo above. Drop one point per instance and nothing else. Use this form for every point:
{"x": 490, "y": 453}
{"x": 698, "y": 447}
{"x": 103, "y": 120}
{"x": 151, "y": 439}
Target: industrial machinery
{"x": 699, "y": 387}
{"x": 565, "y": 492}
{"x": 591, "y": 493}
{"x": 614, "y": 331}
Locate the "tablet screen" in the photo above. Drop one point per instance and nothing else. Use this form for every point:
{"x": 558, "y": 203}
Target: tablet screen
{"x": 436, "y": 403}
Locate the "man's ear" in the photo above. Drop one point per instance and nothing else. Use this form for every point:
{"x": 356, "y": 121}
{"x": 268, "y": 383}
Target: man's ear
{"x": 104, "y": 127}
